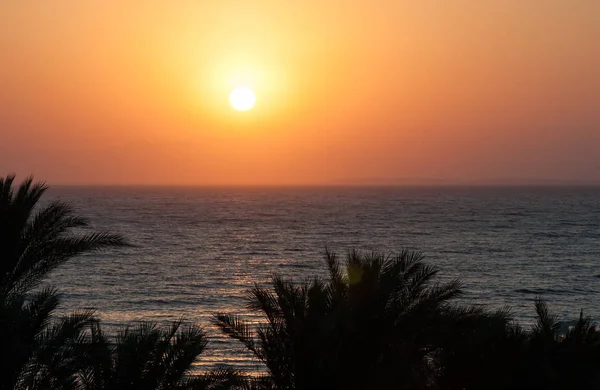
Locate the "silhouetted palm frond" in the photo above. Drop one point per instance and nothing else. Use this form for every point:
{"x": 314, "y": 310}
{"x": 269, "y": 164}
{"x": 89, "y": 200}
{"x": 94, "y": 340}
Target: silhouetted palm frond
{"x": 33, "y": 243}
{"x": 584, "y": 332}
{"x": 220, "y": 378}
{"x": 370, "y": 325}
{"x": 145, "y": 357}
{"x": 547, "y": 324}
{"x": 236, "y": 328}
{"x": 34, "y": 240}
{"x": 58, "y": 354}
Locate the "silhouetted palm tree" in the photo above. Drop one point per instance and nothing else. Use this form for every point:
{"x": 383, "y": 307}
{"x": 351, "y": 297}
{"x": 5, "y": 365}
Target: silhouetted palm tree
{"x": 482, "y": 350}
{"x": 560, "y": 361}
{"x": 372, "y": 326}
{"x": 147, "y": 357}
{"x": 57, "y": 354}
{"x": 478, "y": 349}
{"x": 34, "y": 240}
{"x": 291, "y": 343}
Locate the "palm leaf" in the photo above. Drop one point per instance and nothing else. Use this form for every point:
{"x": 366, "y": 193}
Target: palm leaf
{"x": 186, "y": 346}
{"x": 236, "y": 328}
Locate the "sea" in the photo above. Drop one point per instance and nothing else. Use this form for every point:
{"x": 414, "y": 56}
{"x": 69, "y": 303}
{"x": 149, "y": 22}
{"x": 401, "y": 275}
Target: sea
{"x": 197, "y": 251}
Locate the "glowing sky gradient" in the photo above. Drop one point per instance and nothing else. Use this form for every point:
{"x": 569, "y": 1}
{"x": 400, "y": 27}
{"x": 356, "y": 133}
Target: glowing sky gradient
{"x": 103, "y": 92}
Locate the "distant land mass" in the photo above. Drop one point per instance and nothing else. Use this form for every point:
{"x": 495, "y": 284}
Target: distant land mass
{"x": 429, "y": 181}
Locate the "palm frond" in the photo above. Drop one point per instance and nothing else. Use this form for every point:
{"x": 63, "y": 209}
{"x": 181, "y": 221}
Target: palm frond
{"x": 60, "y": 353}
{"x": 98, "y": 370}
{"x": 182, "y": 352}
{"x": 6, "y": 193}
{"x": 31, "y": 246}
{"x": 238, "y": 329}
{"x": 547, "y": 324}
{"x": 262, "y": 300}
{"x": 38, "y": 308}
{"x": 35, "y": 265}
{"x": 584, "y": 332}
{"x": 220, "y": 378}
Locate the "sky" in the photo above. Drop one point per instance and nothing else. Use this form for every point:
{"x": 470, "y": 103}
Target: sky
{"x": 352, "y": 92}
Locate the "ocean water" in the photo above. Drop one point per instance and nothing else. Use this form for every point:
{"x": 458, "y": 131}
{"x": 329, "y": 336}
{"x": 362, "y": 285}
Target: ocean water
{"x": 198, "y": 250}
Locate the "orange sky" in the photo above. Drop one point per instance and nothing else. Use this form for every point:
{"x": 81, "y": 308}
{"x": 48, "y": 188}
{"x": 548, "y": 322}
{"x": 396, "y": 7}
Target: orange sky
{"x": 103, "y": 92}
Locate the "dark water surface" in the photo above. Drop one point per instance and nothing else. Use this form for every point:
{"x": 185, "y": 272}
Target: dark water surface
{"x": 198, "y": 250}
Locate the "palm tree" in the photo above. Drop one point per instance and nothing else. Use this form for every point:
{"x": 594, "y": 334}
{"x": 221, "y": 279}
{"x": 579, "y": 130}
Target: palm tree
{"x": 487, "y": 350}
{"x": 292, "y": 342}
{"x": 372, "y": 326}
{"x": 147, "y": 357}
{"x": 57, "y": 354}
{"x": 34, "y": 240}
{"x": 559, "y": 361}
{"x": 478, "y": 349}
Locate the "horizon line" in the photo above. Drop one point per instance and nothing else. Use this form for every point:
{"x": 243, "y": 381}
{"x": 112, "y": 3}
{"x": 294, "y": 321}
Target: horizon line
{"x": 333, "y": 185}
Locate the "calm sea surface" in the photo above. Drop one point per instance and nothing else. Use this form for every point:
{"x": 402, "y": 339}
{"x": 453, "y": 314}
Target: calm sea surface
{"x": 198, "y": 250}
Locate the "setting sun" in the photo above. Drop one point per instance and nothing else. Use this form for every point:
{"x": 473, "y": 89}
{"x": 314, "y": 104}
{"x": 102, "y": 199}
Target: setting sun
{"x": 300, "y": 93}
{"x": 242, "y": 98}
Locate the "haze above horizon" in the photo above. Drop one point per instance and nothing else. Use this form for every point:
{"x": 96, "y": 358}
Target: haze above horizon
{"x": 461, "y": 92}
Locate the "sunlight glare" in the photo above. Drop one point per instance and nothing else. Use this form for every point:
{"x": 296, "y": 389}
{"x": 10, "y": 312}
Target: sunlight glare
{"x": 242, "y": 98}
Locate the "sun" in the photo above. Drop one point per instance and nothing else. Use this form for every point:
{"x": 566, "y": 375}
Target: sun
{"x": 242, "y": 98}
